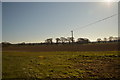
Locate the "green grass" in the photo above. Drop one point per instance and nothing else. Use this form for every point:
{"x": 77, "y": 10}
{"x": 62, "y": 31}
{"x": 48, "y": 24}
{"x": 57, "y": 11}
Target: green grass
{"x": 61, "y": 64}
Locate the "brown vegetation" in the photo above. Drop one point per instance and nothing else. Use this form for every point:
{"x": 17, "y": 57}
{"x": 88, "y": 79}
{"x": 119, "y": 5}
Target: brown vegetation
{"x": 63, "y": 47}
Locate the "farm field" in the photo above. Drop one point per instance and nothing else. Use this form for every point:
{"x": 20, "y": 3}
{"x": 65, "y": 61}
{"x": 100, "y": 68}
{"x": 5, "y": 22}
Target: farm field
{"x": 63, "y": 47}
{"x": 60, "y": 40}
{"x": 61, "y": 64}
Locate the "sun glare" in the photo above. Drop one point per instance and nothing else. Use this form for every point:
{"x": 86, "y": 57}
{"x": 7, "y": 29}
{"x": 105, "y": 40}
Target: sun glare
{"x": 108, "y": 0}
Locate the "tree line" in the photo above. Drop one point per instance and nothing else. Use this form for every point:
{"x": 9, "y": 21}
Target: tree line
{"x": 70, "y": 40}
{"x": 81, "y": 40}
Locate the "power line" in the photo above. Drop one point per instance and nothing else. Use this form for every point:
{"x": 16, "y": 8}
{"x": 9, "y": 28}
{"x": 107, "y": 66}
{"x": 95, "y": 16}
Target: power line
{"x": 100, "y": 19}
{"x": 96, "y": 21}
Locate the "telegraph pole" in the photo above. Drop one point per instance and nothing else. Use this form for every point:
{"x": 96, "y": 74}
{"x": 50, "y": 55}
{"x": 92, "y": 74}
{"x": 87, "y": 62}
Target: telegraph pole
{"x": 72, "y": 35}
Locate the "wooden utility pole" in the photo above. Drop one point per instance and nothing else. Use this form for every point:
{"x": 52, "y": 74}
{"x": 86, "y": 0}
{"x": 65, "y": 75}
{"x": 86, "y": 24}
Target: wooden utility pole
{"x": 72, "y": 35}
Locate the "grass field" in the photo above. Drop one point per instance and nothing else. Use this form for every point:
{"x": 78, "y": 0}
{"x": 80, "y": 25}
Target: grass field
{"x": 87, "y": 64}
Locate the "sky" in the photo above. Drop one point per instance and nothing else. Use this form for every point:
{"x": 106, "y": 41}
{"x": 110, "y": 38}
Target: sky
{"x": 37, "y": 21}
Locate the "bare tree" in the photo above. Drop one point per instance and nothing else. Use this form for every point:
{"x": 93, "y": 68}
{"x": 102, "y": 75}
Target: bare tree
{"x": 48, "y": 40}
{"x": 69, "y": 39}
{"x": 99, "y": 40}
{"x": 63, "y": 39}
{"x": 110, "y": 38}
{"x": 6, "y": 43}
{"x": 57, "y": 40}
{"x": 115, "y": 38}
{"x": 105, "y": 39}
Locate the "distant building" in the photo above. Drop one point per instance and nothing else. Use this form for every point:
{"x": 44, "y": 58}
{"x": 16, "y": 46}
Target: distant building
{"x": 83, "y": 40}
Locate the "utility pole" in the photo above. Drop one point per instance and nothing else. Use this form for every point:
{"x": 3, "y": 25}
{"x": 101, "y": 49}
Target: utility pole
{"x": 72, "y": 35}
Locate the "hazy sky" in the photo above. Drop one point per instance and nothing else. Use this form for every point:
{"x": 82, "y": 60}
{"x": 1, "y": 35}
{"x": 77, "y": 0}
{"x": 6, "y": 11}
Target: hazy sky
{"x": 37, "y": 21}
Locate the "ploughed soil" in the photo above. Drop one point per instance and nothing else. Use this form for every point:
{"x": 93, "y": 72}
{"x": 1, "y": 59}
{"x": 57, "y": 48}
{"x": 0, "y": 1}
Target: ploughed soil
{"x": 63, "y": 47}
